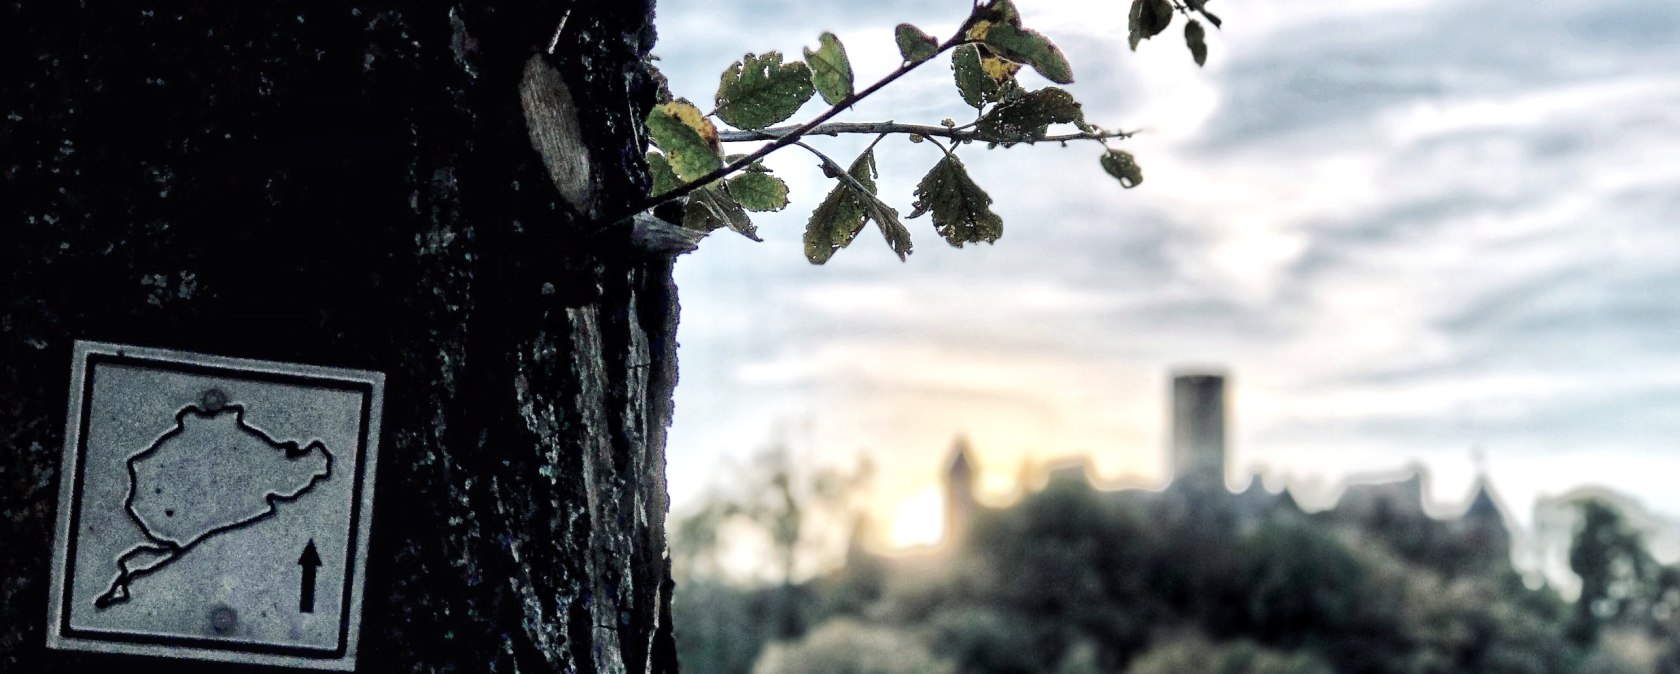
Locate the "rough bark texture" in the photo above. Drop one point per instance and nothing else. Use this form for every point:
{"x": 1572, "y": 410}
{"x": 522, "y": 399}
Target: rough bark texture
{"x": 352, "y": 184}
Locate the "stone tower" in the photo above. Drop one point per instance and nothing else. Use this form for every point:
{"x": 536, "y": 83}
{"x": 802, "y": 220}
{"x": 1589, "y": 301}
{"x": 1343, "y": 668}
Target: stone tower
{"x": 959, "y": 491}
{"x": 1482, "y": 532}
{"x": 1198, "y": 439}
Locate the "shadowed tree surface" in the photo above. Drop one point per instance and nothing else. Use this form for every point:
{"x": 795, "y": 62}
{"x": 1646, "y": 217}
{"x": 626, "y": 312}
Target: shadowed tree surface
{"x": 354, "y": 185}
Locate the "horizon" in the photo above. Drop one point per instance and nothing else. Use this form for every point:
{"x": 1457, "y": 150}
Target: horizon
{"x": 918, "y": 527}
{"x": 1408, "y": 244}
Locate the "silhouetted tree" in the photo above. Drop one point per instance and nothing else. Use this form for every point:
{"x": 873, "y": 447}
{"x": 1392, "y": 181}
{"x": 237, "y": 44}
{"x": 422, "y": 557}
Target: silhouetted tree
{"x": 1617, "y": 573}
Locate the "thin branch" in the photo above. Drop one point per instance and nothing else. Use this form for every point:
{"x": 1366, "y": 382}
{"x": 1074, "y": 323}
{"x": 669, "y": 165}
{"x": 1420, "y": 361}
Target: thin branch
{"x": 790, "y": 136}
{"x": 831, "y": 166}
{"x": 939, "y": 145}
{"x": 956, "y": 134}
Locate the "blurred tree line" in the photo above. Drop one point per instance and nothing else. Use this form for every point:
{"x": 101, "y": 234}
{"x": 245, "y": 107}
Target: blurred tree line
{"x": 1072, "y": 580}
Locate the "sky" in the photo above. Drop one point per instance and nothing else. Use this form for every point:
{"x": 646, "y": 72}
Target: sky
{"x": 1413, "y": 233}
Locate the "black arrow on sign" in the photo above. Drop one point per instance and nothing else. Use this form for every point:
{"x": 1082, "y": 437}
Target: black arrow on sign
{"x": 310, "y": 560}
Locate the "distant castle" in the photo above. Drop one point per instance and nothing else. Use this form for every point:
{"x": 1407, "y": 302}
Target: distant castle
{"x": 1198, "y": 460}
{"x": 1198, "y": 423}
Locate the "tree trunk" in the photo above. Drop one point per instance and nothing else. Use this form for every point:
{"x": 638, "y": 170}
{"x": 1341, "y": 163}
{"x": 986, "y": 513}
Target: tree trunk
{"x": 355, "y": 186}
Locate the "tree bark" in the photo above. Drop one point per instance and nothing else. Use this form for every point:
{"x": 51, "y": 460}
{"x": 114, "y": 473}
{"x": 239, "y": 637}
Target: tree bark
{"x": 354, "y": 185}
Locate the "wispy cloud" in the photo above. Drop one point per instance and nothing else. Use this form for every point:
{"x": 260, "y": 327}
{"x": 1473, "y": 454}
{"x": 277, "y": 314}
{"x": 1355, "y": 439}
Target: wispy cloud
{"x": 1410, "y": 229}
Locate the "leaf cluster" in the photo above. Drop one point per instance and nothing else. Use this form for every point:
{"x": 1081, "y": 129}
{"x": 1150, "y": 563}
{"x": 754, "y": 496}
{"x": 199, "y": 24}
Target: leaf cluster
{"x": 1149, "y": 18}
{"x": 988, "y": 54}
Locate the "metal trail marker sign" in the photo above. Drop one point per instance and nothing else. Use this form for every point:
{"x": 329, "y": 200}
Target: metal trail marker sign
{"x": 189, "y": 485}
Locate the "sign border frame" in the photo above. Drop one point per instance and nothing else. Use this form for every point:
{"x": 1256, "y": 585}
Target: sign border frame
{"x": 86, "y": 356}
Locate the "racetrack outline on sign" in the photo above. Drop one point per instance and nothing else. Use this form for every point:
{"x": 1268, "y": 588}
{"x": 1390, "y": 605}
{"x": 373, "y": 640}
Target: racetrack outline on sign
{"x": 203, "y": 439}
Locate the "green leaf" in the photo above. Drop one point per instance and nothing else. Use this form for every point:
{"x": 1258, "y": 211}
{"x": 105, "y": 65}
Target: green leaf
{"x": 961, "y": 210}
{"x": 915, "y": 45}
{"x": 1147, "y": 19}
{"x": 1194, "y": 37}
{"x": 1123, "y": 166}
{"x": 664, "y": 179}
{"x": 982, "y": 78}
{"x": 892, "y": 229}
{"x": 711, "y": 207}
{"x": 840, "y": 216}
{"x": 761, "y": 90}
{"x": 755, "y": 167}
{"x": 831, "y": 70}
{"x": 689, "y": 140}
{"x": 759, "y": 191}
{"x": 1030, "y": 47}
{"x": 833, "y": 225}
{"x": 1026, "y": 117}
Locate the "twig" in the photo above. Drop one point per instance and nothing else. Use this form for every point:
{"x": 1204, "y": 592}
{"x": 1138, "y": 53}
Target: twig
{"x": 831, "y": 166}
{"x": 956, "y": 134}
{"x": 939, "y": 145}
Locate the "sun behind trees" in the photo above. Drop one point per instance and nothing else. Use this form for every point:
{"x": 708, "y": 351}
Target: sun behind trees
{"x": 1074, "y": 580}
{"x": 988, "y": 52}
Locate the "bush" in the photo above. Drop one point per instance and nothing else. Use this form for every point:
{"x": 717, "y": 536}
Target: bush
{"x": 848, "y": 647}
{"x": 1194, "y": 655}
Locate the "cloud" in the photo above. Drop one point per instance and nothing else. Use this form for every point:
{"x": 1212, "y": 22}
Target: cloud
{"x": 1314, "y": 76}
{"x": 1409, "y": 228}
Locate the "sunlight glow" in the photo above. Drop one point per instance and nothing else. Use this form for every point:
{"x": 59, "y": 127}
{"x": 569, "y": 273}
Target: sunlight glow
{"x": 919, "y": 520}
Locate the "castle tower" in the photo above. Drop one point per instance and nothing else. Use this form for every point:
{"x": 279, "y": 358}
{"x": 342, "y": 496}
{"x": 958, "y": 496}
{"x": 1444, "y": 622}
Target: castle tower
{"x": 1198, "y": 440}
{"x": 959, "y": 491}
{"x": 1482, "y": 527}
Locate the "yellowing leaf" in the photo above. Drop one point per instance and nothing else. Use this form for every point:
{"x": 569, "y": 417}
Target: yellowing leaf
{"x": 759, "y": 91}
{"x": 689, "y": 140}
{"x": 759, "y": 191}
{"x": 1029, "y": 47}
{"x": 831, "y": 70}
{"x": 1123, "y": 166}
{"x": 999, "y": 69}
{"x": 1000, "y": 11}
{"x": 915, "y": 45}
{"x": 982, "y": 78}
{"x": 961, "y": 210}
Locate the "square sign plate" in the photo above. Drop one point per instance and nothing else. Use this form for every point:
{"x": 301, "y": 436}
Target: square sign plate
{"x": 214, "y": 508}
